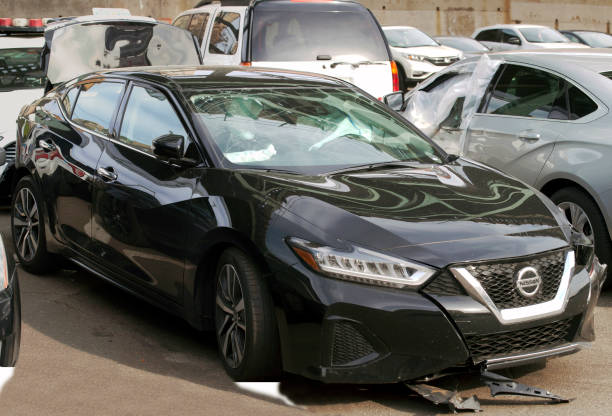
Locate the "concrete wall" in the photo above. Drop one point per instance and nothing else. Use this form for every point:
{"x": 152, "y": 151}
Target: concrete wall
{"x": 461, "y": 17}
{"x": 436, "y": 17}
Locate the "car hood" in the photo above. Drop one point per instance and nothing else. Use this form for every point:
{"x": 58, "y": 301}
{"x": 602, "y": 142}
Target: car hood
{"x": 434, "y": 214}
{"x": 83, "y": 47}
{"x": 12, "y": 102}
{"x": 430, "y": 51}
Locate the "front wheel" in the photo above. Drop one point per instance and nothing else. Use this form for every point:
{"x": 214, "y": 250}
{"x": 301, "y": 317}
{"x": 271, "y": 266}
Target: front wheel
{"x": 28, "y": 228}
{"x": 247, "y": 334}
{"x": 585, "y": 217}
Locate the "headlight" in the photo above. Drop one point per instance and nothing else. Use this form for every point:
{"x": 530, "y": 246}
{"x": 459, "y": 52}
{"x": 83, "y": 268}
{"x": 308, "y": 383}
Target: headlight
{"x": 414, "y": 57}
{"x": 361, "y": 265}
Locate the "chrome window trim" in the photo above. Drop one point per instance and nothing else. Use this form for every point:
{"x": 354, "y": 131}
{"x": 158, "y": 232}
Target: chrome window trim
{"x": 524, "y": 313}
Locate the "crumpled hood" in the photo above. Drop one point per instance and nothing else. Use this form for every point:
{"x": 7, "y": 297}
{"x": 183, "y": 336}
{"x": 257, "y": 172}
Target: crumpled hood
{"x": 435, "y": 214}
{"x": 12, "y": 102}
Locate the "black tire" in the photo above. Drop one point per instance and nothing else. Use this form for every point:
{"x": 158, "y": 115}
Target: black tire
{"x": 261, "y": 349}
{"x": 603, "y": 245}
{"x": 9, "y": 352}
{"x": 37, "y": 260}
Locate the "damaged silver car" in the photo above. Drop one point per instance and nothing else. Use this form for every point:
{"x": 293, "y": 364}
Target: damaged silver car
{"x": 540, "y": 116}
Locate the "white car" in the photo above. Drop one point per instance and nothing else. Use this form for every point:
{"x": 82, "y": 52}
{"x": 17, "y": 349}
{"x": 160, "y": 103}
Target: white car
{"x": 338, "y": 39}
{"x": 418, "y": 55}
{"x": 511, "y": 36}
{"x": 21, "y": 81}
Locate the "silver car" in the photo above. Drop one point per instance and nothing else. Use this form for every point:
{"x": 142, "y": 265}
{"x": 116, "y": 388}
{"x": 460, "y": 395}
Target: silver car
{"x": 543, "y": 117}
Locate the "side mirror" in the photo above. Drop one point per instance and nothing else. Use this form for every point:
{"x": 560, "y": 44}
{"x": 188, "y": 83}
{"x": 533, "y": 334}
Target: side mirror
{"x": 169, "y": 146}
{"x": 395, "y": 101}
{"x": 514, "y": 40}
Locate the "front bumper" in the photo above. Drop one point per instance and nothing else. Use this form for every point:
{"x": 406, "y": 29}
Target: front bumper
{"x": 342, "y": 332}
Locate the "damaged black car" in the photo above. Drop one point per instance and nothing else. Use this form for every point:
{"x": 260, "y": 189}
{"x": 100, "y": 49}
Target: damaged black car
{"x": 314, "y": 230}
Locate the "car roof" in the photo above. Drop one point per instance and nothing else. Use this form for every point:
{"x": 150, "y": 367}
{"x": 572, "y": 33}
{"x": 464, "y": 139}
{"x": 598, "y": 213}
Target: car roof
{"x": 508, "y": 26}
{"x": 326, "y": 4}
{"x": 7, "y": 42}
{"x": 399, "y": 27}
{"x": 563, "y": 59}
{"x": 218, "y": 77}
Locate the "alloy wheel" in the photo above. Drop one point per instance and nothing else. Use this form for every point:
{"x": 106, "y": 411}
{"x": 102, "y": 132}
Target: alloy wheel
{"x": 578, "y": 218}
{"x": 26, "y": 224}
{"x": 230, "y": 316}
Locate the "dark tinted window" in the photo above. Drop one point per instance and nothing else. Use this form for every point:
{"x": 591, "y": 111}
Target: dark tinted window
{"x": 183, "y": 21}
{"x": 579, "y": 103}
{"x": 528, "y": 92}
{"x": 571, "y": 37}
{"x": 20, "y": 69}
{"x": 69, "y": 100}
{"x": 491, "y": 35}
{"x": 148, "y": 115}
{"x": 280, "y": 35}
{"x": 96, "y": 105}
{"x": 507, "y": 34}
{"x": 225, "y": 34}
{"x": 198, "y": 25}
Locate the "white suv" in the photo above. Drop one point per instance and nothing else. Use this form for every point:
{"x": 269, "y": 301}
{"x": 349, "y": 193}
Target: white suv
{"x": 336, "y": 38}
{"x": 507, "y": 37}
{"x": 21, "y": 81}
{"x": 418, "y": 55}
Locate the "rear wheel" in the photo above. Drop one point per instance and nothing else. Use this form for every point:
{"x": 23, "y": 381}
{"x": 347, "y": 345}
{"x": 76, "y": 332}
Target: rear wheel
{"x": 245, "y": 324}
{"x": 28, "y": 228}
{"x": 584, "y": 215}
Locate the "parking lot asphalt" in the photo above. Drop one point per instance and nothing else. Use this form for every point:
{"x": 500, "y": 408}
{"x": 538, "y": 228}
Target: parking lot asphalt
{"x": 90, "y": 349}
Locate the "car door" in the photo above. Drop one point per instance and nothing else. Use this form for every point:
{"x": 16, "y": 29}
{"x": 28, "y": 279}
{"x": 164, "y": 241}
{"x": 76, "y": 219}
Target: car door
{"x": 225, "y": 37}
{"x": 519, "y": 121}
{"x": 141, "y": 202}
{"x": 66, "y": 161}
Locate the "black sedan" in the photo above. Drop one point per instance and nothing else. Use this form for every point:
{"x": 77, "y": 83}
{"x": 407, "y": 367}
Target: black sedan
{"x": 312, "y": 228}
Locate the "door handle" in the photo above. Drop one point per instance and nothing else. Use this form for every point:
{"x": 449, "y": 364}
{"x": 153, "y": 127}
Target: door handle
{"x": 107, "y": 174}
{"x": 49, "y": 147}
{"x": 529, "y": 136}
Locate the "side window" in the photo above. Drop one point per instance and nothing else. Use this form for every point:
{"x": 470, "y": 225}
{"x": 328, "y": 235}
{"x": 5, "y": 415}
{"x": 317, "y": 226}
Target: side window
{"x": 69, "y": 100}
{"x": 148, "y": 115}
{"x": 528, "y": 92}
{"x": 224, "y": 36}
{"x": 198, "y": 25}
{"x": 183, "y": 21}
{"x": 510, "y": 36}
{"x": 571, "y": 37}
{"x": 579, "y": 103}
{"x": 96, "y": 105}
{"x": 491, "y": 35}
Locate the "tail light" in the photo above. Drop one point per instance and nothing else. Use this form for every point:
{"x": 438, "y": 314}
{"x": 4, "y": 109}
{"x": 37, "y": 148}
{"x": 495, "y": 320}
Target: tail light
{"x": 395, "y": 75}
{"x": 245, "y": 64}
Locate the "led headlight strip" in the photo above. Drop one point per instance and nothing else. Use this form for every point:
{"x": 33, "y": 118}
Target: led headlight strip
{"x": 361, "y": 265}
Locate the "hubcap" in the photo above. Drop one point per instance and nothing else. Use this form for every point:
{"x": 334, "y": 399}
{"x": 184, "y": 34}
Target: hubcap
{"x": 25, "y": 224}
{"x": 578, "y": 218}
{"x": 229, "y": 317}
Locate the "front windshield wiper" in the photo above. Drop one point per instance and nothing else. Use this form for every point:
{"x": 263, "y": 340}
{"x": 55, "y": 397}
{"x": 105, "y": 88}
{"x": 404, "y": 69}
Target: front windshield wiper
{"x": 356, "y": 65}
{"x": 374, "y": 166}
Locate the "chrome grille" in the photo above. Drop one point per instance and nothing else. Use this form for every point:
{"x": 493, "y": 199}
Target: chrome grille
{"x": 498, "y": 279}
{"x": 442, "y": 61}
{"x": 10, "y": 153}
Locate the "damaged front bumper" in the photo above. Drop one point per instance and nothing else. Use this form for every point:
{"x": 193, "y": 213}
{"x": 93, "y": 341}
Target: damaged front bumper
{"x": 343, "y": 332}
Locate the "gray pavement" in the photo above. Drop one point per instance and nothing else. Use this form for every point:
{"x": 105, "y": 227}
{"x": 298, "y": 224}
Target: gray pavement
{"x": 90, "y": 349}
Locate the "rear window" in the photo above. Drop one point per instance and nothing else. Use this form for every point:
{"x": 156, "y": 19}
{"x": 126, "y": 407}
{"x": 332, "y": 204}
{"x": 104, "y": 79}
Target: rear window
{"x": 20, "y": 69}
{"x": 283, "y": 35}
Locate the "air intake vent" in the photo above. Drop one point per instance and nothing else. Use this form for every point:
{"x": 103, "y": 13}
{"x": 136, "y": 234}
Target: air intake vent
{"x": 348, "y": 344}
{"x": 10, "y": 153}
{"x": 445, "y": 284}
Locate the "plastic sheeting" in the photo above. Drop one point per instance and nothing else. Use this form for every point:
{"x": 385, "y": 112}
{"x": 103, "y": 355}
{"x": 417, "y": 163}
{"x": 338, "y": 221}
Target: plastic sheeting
{"x": 443, "y": 108}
